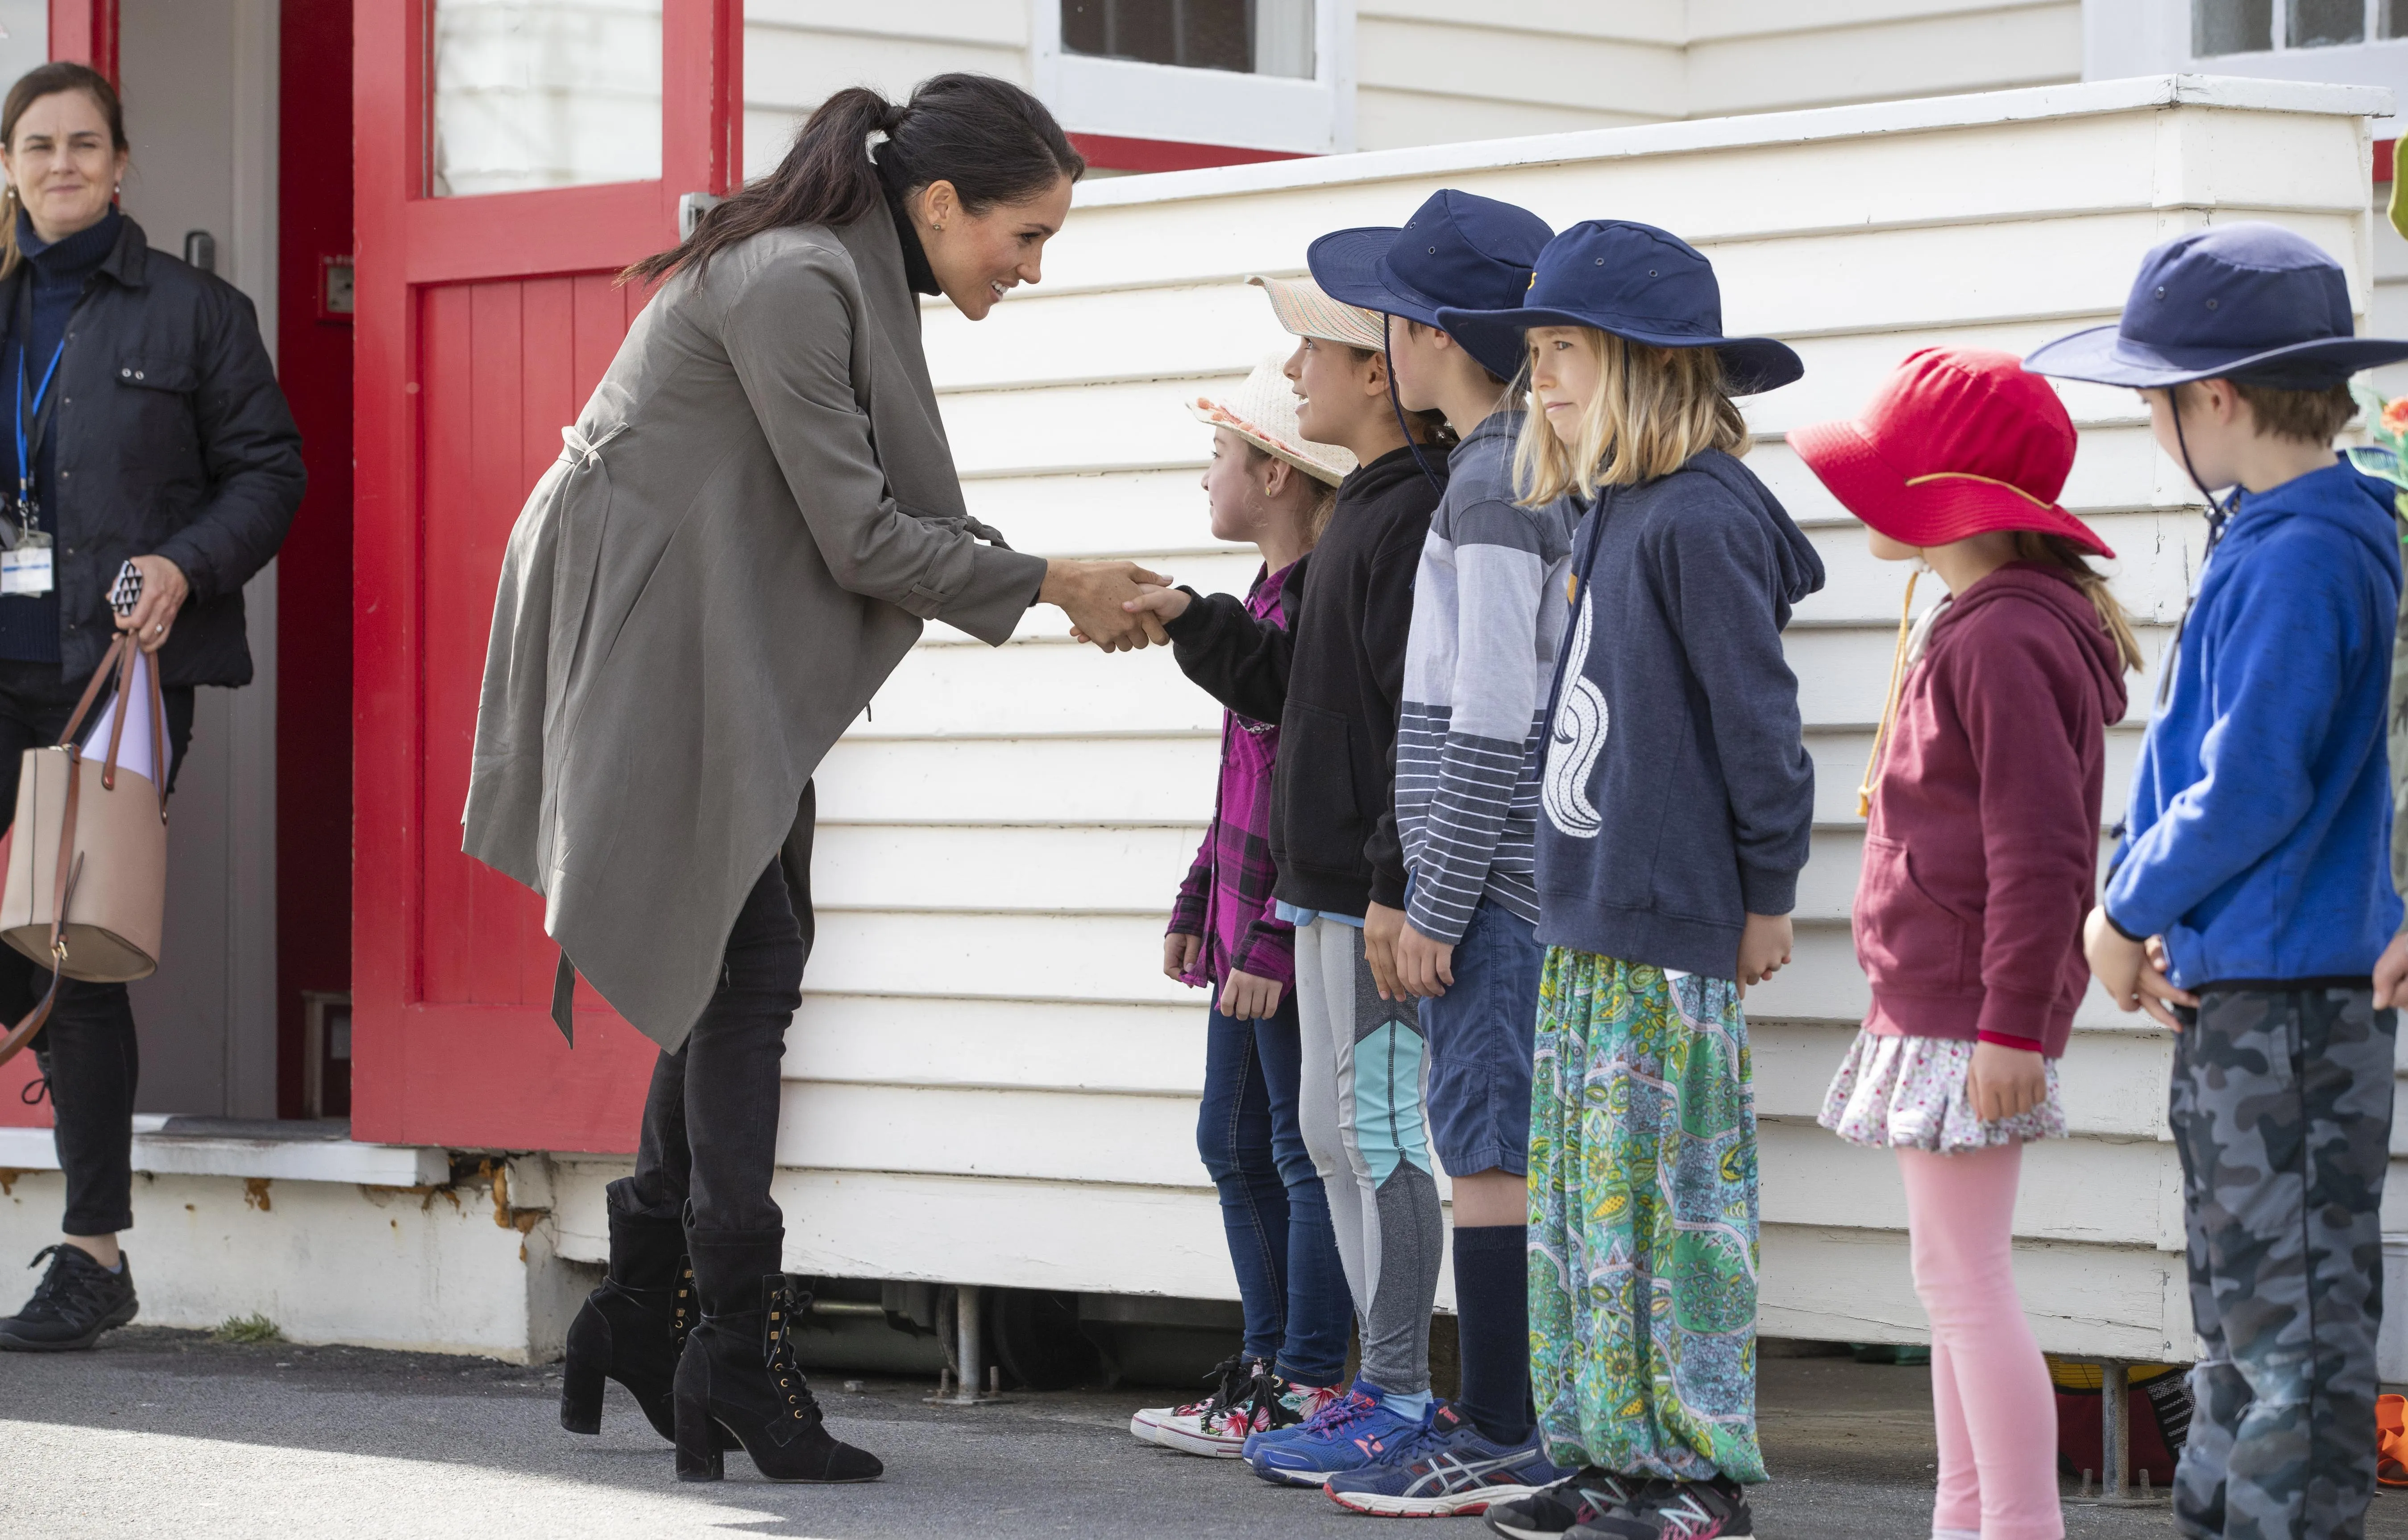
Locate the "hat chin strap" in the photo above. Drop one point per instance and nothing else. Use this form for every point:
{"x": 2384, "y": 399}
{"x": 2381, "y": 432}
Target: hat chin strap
{"x": 1397, "y": 405}
{"x": 2218, "y": 517}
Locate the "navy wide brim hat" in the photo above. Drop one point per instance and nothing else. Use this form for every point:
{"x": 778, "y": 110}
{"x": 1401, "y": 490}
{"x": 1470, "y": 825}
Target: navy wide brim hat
{"x": 2250, "y": 301}
{"x": 1640, "y": 283}
{"x": 1458, "y": 248}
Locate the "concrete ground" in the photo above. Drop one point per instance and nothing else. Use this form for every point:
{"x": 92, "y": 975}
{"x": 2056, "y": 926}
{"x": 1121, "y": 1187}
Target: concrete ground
{"x": 168, "y": 1433}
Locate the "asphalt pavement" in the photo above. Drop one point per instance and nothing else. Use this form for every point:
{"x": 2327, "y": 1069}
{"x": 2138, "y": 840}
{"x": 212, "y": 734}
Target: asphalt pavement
{"x": 168, "y": 1433}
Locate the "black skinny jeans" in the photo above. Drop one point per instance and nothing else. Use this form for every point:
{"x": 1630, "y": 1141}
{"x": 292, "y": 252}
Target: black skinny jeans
{"x": 710, "y": 1120}
{"x": 86, "y": 1051}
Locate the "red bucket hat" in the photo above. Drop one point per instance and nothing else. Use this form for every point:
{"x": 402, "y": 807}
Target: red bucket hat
{"x": 1959, "y": 441}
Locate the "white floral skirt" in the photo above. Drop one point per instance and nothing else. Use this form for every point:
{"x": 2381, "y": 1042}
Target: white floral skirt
{"x": 1911, "y": 1091}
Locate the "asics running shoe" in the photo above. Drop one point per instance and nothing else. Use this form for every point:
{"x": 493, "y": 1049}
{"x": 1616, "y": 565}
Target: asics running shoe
{"x": 1452, "y": 1469}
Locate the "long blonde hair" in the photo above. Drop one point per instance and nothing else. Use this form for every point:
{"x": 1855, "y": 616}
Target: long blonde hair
{"x": 2035, "y": 546}
{"x": 1655, "y": 409}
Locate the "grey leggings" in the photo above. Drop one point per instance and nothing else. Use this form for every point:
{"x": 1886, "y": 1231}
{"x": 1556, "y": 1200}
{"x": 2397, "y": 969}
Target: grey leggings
{"x": 1365, "y": 1069}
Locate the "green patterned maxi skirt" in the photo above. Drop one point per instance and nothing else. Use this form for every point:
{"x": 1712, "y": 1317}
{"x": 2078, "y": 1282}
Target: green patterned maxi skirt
{"x": 1642, "y": 1222}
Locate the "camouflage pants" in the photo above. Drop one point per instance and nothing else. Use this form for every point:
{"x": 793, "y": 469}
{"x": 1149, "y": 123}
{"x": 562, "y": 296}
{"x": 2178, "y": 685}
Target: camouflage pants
{"x": 2281, "y": 1116}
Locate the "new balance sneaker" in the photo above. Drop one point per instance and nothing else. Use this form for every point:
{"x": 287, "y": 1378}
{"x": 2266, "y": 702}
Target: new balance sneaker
{"x": 1453, "y": 1469}
{"x": 1583, "y": 1497}
{"x": 1677, "y": 1510}
{"x": 1344, "y": 1404}
{"x": 1228, "y": 1382}
{"x": 1363, "y": 1434}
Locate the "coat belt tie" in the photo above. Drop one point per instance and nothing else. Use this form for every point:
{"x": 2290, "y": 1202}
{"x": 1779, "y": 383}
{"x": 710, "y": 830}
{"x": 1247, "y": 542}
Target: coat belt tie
{"x": 582, "y": 452}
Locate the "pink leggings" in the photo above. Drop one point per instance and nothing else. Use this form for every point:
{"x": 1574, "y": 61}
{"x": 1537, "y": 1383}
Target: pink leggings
{"x": 1990, "y": 1393}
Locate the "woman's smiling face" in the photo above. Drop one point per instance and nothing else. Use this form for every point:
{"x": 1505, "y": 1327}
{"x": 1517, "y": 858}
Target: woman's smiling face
{"x": 64, "y": 164}
{"x": 978, "y": 258}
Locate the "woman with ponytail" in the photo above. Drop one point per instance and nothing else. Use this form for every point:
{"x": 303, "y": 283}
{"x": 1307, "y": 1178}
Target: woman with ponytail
{"x": 751, "y": 520}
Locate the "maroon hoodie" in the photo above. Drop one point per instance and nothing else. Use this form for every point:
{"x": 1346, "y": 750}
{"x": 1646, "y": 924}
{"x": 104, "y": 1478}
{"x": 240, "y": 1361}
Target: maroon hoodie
{"x": 1980, "y": 860}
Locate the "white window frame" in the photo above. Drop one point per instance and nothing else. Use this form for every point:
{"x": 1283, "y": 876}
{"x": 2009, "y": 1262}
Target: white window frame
{"x": 2125, "y": 38}
{"x": 1128, "y": 100}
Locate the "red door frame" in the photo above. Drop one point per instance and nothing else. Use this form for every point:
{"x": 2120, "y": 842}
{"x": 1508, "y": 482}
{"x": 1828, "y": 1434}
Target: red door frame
{"x": 86, "y": 32}
{"x": 424, "y": 1072}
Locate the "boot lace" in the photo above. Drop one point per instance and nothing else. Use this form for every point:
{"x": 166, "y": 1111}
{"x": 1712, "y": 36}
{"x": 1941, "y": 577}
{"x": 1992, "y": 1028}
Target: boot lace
{"x": 778, "y": 1348}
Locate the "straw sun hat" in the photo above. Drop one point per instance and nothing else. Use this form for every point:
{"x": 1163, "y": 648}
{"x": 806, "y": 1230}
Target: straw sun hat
{"x": 1262, "y": 411}
{"x": 1306, "y": 312}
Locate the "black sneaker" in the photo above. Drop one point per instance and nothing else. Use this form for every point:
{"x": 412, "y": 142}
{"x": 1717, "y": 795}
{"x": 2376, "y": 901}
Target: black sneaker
{"x": 1678, "y": 1510}
{"x": 1584, "y": 1496}
{"x": 76, "y": 1300}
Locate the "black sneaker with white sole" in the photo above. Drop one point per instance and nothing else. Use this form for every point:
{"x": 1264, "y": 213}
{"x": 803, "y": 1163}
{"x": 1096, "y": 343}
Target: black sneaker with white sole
{"x": 76, "y": 1300}
{"x": 1677, "y": 1510}
{"x": 1587, "y": 1494}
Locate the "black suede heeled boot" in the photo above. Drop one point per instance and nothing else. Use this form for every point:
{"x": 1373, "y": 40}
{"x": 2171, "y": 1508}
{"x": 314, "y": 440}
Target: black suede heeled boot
{"x": 632, "y": 1328}
{"x": 737, "y": 1377}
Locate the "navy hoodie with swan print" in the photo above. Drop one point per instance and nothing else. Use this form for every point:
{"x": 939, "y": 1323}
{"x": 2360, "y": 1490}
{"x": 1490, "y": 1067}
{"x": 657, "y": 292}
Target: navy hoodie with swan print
{"x": 1678, "y": 797}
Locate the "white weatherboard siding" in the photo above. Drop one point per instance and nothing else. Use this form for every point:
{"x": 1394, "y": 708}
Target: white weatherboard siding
{"x": 991, "y": 1081}
{"x": 1443, "y": 71}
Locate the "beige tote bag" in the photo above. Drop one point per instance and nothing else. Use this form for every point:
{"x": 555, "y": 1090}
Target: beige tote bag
{"x": 87, "y": 856}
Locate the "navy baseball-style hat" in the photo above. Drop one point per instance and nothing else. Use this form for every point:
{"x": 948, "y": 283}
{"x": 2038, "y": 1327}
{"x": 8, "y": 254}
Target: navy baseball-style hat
{"x": 1458, "y": 248}
{"x": 1640, "y": 283}
{"x": 2251, "y": 301}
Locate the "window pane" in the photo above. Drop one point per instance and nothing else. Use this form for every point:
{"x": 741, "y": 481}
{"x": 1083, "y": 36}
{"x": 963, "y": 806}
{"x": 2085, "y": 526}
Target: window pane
{"x": 2321, "y": 24}
{"x": 2393, "y": 17}
{"x": 1245, "y": 36}
{"x": 2230, "y": 26}
{"x": 533, "y": 94}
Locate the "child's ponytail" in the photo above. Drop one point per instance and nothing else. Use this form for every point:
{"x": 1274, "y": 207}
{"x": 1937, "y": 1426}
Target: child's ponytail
{"x": 2032, "y": 545}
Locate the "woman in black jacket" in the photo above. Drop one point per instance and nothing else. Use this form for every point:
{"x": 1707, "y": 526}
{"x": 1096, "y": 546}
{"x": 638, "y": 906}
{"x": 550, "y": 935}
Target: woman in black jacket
{"x": 141, "y": 424}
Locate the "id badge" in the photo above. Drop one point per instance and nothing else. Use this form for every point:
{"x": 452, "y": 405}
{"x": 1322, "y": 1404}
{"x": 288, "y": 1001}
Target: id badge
{"x": 26, "y": 569}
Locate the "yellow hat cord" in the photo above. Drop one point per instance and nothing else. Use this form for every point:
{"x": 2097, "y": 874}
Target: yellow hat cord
{"x": 1889, "y": 701}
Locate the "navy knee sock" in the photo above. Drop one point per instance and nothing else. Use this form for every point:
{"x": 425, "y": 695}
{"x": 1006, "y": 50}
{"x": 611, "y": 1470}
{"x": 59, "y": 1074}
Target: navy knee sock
{"x": 1491, "y": 1321}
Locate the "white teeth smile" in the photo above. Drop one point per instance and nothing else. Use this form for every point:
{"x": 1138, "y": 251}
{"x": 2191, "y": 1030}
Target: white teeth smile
{"x": 1000, "y": 288}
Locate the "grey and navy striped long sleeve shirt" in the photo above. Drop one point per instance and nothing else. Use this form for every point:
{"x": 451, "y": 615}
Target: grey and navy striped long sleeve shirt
{"x": 1488, "y": 615}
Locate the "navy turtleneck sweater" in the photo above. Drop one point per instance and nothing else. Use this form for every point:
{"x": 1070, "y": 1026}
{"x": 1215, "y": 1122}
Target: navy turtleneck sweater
{"x": 29, "y": 624}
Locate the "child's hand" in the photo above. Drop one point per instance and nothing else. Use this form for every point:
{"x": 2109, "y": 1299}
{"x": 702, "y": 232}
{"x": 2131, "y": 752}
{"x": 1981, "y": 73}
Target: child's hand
{"x": 1380, "y": 926}
{"x": 2132, "y": 973}
{"x": 1246, "y": 998}
{"x": 1156, "y": 606}
{"x": 2391, "y": 974}
{"x": 1179, "y": 955}
{"x": 1091, "y": 592}
{"x": 2005, "y": 1082}
{"x": 1423, "y": 967}
{"x": 1764, "y": 948}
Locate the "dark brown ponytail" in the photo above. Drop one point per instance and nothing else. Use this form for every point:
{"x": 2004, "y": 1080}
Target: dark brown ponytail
{"x": 995, "y": 142}
{"x": 31, "y": 87}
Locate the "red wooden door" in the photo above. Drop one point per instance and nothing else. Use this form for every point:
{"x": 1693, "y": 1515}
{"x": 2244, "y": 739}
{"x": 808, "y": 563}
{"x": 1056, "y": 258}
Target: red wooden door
{"x": 484, "y": 319}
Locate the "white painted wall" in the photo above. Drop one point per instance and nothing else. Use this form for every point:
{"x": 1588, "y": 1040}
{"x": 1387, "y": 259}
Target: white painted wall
{"x": 990, "y": 1081}
{"x": 1438, "y": 71}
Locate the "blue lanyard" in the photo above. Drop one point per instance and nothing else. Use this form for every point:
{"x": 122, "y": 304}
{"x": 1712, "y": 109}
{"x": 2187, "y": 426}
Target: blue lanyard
{"x": 31, "y": 409}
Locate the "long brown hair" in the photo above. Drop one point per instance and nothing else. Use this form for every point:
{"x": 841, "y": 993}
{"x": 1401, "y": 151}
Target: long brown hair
{"x": 995, "y": 142}
{"x": 2033, "y": 545}
{"x": 31, "y": 87}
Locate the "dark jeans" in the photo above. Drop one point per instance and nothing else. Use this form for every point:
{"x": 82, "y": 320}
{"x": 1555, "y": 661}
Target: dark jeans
{"x": 1294, "y": 1292}
{"x": 86, "y": 1051}
{"x": 710, "y": 1120}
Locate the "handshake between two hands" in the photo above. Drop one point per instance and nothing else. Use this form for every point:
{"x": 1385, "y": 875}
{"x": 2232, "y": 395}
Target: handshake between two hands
{"x": 1117, "y": 605}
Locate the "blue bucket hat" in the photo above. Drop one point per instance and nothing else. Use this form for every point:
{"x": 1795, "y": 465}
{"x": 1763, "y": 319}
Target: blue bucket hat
{"x": 1458, "y": 248}
{"x": 1640, "y": 283}
{"x": 2250, "y": 301}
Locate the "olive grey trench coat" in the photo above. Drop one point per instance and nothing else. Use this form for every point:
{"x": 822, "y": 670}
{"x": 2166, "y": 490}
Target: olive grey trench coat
{"x": 743, "y": 534}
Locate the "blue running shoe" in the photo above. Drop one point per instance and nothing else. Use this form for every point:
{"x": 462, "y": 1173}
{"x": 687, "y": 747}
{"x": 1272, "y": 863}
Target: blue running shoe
{"x": 1452, "y": 1469}
{"x": 1360, "y": 1435}
{"x": 1336, "y": 1406}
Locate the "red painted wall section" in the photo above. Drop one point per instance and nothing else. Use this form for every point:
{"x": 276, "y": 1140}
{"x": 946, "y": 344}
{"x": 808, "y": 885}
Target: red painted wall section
{"x": 313, "y": 632}
{"x": 1106, "y": 152}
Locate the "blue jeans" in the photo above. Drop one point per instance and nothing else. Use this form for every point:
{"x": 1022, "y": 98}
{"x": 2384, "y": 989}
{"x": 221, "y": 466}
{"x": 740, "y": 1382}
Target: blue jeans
{"x": 1294, "y": 1292}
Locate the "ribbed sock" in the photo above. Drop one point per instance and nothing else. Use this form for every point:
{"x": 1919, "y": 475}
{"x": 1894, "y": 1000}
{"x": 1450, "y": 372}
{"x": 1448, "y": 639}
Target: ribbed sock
{"x": 1492, "y": 1324}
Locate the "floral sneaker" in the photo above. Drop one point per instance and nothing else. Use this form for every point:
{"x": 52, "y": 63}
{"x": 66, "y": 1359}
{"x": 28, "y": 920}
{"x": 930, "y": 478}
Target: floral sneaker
{"x": 1267, "y": 1403}
{"x": 1230, "y": 1381}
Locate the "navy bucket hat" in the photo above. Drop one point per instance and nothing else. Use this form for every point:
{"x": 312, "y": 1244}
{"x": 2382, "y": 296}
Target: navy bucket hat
{"x": 1458, "y": 248}
{"x": 1640, "y": 283}
{"x": 2250, "y": 301}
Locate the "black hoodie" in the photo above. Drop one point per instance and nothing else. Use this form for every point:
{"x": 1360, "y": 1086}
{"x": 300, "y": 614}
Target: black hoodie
{"x": 1331, "y": 681}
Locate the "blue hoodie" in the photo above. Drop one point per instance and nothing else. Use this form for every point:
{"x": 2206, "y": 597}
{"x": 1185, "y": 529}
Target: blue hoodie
{"x": 1677, "y": 797}
{"x": 2259, "y": 829}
